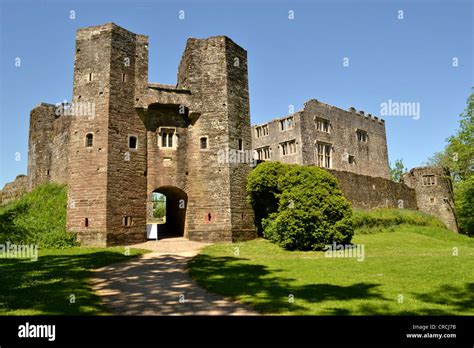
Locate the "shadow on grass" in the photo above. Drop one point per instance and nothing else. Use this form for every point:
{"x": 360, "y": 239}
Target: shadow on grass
{"x": 270, "y": 293}
{"x": 461, "y": 298}
{"x": 47, "y": 284}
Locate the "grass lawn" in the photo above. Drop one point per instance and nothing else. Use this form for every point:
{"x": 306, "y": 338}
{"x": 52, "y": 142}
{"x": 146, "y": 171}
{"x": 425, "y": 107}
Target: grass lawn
{"x": 407, "y": 270}
{"x": 45, "y": 286}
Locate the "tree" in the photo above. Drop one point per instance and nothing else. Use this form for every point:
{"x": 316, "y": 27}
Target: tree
{"x": 464, "y": 200}
{"x": 396, "y": 172}
{"x": 458, "y": 157}
{"x": 159, "y": 206}
{"x": 310, "y": 210}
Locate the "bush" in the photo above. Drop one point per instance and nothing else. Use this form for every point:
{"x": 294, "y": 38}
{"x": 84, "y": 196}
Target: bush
{"x": 39, "y": 217}
{"x": 262, "y": 189}
{"x": 311, "y": 213}
{"x": 380, "y": 219}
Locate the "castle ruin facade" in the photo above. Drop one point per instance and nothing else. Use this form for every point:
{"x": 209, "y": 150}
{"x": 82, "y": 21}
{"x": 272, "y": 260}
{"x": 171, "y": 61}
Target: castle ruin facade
{"x": 122, "y": 139}
{"x": 328, "y": 137}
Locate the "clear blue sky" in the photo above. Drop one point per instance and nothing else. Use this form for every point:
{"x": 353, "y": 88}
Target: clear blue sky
{"x": 290, "y": 61}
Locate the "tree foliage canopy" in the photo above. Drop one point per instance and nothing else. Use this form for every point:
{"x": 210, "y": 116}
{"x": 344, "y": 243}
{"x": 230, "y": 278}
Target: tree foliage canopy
{"x": 458, "y": 157}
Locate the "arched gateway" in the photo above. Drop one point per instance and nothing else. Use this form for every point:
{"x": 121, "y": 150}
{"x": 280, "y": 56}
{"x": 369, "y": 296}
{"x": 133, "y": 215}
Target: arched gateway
{"x": 166, "y": 212}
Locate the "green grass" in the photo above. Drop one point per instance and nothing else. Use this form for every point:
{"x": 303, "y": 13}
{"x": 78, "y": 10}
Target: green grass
{"x": 373, "y": 221}
{"x": 38, "y": 217}
{"x": 416, "y": 262}
{"x": 45, "y": 286}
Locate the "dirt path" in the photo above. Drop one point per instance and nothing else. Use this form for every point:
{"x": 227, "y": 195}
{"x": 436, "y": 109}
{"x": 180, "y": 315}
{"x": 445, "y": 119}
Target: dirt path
{"x": 158, "y": 284}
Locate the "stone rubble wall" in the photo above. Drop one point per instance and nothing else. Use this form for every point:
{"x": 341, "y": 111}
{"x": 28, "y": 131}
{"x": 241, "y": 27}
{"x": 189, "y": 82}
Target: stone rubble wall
{"x": 14, "y": 190}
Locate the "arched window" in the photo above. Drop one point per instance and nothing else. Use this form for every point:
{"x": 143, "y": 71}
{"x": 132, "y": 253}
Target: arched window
{"x": 132, "y": 142}
{"x": 203, "y": 143}
{"x": 89, "y": 139}
{"x": 168, "y": 137}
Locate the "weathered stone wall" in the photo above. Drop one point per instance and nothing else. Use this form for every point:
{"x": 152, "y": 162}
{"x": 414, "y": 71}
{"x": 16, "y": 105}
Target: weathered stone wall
{"x": 368, "y": 158}
{"x": 59, "y": 170}
{"x": 242, "y": 218}
{"x": 276, "y": 136}
{"x": 220, "y": 93}
{"x": 367, "y": 192}
{"x": 48, "y": 146}
{"x": 168, "y": 168}
{"x": 109, "y": 182}
{"x": 87, "y": 184}
{"x": 126, "y": 168}
{"x": 436, "y": 199}
{"x": 14, "y": 190}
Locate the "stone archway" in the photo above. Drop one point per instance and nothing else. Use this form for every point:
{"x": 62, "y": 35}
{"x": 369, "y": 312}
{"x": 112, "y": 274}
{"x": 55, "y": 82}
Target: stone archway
{"x": 176, "y": 201}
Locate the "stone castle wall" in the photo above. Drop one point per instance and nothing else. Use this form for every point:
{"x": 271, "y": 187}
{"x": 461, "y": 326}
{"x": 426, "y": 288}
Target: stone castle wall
{"x": 14, "y": 190}
{"x": 348, "y": 153}
{"x": 48, "y": 149}
{"x": 367, "y": 192}
{"x": 434, "y": 193}
{"x": 110, "y": 184}
{"x": 215, "y": 71}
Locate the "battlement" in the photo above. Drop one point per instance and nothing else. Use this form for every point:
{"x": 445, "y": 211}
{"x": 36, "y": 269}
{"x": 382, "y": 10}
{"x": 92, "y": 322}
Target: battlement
{"x": 222, "y": 38}
{"x": 352, "y": 141}
{"x": 148, "y": 137}
{"x": 352, "y": 111}
{"x": 90, "y": 32}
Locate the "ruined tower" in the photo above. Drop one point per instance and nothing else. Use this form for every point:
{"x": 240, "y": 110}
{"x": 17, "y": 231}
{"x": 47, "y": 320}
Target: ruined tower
{"x": 146, "y": 137}
{"x": 107, "y": 150}
{"x": 124, "y": 139}
{"x": 215, "y": 71}
{"x": 434, "y": 193}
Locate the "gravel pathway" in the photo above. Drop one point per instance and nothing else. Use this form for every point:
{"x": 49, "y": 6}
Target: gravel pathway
{"x": 157, "y": 284}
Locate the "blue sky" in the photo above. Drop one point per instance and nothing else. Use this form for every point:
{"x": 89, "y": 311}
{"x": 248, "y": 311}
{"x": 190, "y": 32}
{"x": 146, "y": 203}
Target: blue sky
{"x": 290, "y": 61}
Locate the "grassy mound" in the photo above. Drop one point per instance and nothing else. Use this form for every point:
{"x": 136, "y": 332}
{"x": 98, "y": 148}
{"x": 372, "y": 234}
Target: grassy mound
{"x": 39, "y": 217}
{"x": 386, "y": 219}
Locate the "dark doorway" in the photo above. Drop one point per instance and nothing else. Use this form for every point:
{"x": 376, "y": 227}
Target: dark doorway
{"x": 167, "y": 209}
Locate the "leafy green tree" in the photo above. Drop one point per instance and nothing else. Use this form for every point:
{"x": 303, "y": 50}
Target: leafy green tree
{"x": 397, "y": 171}
{"x": 305, "y": 210}
{"x": 464, "y": 200}
{"x": 159, "y": 206}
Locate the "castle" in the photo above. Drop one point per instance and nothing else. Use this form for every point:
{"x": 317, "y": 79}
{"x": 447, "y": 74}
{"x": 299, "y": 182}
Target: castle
{"x": 122, "y": 139}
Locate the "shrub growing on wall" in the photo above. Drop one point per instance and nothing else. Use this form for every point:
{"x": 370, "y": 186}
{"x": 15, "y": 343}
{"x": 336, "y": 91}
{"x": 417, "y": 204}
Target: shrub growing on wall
{"x": 312, "y": 211}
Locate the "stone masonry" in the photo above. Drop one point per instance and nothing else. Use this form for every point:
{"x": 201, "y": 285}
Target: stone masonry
{"x": 125, "y": 138}
{"x": 434, "y": 193}
{"x": 328, "y": 137}
{"x": 122, "y": 138}
{"x": 353, "y": 147}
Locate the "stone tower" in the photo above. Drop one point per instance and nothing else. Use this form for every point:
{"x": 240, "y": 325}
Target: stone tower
{"x": 145, "y": 137}
{"x": 215, "y": 71}
{"x": 124, "y": 139}
{"x": 434, "y": 193}
{"x": 107, "y": 182}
